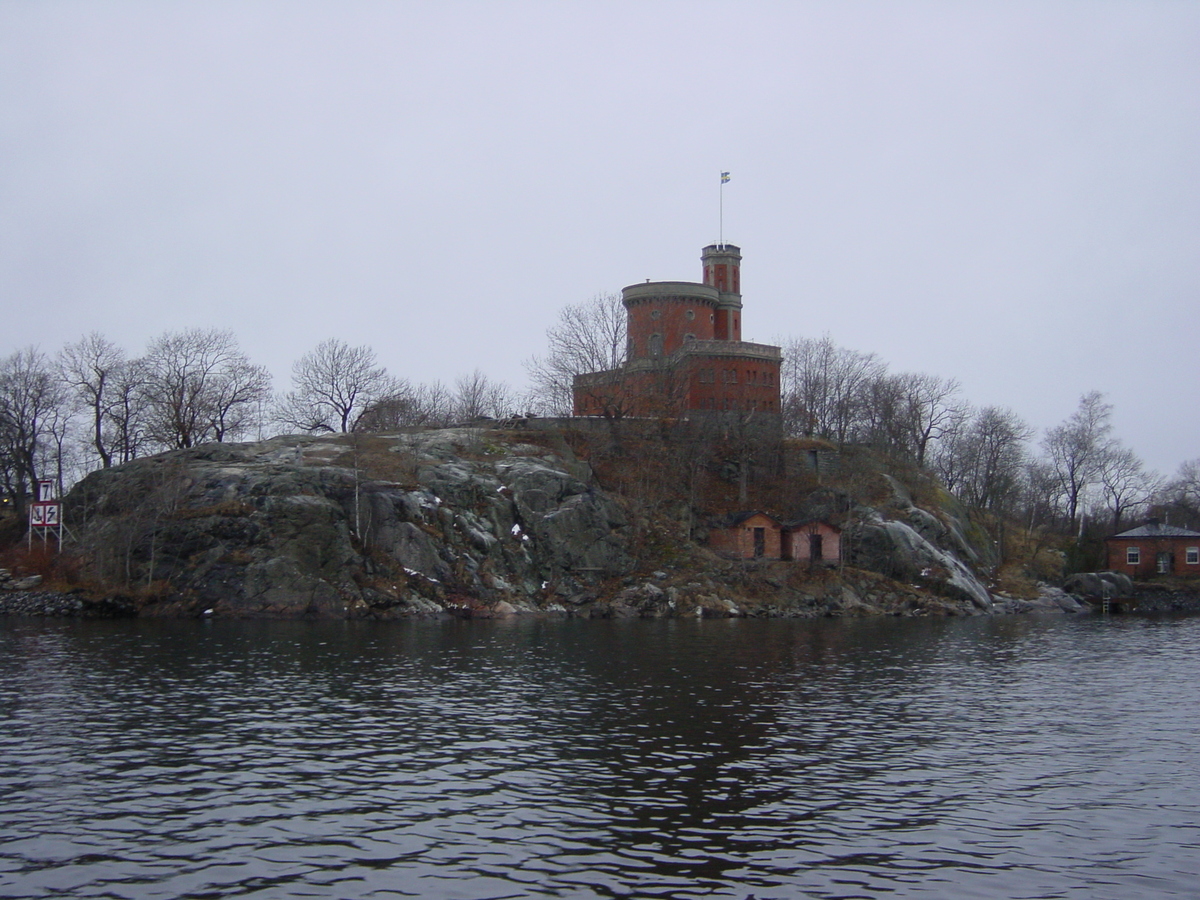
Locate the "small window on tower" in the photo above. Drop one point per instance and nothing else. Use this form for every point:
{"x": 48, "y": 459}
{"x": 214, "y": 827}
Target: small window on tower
{"x": 690, "y": 314}
{"x": 656, "y": 345}
{"x": 655, "y": 313}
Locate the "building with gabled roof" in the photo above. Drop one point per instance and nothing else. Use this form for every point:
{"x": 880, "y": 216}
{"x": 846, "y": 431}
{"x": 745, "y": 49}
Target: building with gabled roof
{"x": 747, "y": 535}
{"x": 812, "y": 541}
{"x": 1154, "y": 549}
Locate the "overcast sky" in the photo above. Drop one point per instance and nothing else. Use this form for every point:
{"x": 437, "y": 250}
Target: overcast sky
{"x": 1003, "y": 193}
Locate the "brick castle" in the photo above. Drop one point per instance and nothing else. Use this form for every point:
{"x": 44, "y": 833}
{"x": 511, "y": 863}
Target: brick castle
{"x": 686, "y": 351}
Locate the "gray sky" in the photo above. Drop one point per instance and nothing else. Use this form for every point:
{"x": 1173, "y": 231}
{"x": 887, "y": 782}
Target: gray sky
{"x": 1004, "y": 193}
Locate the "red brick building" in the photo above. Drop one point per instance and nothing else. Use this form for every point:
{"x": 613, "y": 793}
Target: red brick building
{"x": 812, "y": 541}
{"x": 756, "y": 535}
{"x": 1154, "y": 549}
{"x": 748, "y": 535}
{"x": 686, "y": 350}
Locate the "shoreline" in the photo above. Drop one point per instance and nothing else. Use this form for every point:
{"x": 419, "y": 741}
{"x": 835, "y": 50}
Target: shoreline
{"x": 1151, "y": 600}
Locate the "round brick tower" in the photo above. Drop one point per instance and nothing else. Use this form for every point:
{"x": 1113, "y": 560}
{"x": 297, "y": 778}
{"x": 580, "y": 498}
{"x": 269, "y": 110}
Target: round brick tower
{"x": 665, "y": 315}
{"x": 723, "y": 271}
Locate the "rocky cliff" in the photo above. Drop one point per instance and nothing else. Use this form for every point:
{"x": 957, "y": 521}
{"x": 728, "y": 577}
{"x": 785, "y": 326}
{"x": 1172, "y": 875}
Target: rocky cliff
{"x": 473, "y": 522}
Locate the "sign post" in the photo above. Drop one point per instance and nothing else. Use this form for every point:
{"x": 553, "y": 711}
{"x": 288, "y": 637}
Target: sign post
{"x": 45, "y": 514}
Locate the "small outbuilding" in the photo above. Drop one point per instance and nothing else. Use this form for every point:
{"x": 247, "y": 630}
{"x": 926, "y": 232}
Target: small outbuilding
{"x": 813, "y": 541}
{"x": 1154, "y": 549}
{"x": 747, "y": 535}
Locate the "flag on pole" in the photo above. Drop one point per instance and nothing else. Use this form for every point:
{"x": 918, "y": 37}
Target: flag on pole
{"x": 724, "y": 177}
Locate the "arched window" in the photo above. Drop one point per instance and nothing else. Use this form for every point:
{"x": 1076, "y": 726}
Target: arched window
{"x": 656, "y": 345}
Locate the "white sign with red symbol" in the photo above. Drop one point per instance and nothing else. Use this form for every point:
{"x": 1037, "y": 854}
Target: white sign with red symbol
{"x": 45, "y": 514}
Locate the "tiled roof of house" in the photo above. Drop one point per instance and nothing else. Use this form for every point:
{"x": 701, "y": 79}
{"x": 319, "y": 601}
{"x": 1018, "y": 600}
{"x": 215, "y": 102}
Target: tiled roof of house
{"x": 1157, "y": 530}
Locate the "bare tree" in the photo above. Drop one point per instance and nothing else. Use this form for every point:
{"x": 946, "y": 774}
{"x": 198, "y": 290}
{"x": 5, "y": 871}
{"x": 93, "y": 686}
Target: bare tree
{"x": 428, "y": 405}
{"x": 237, "y": 399}
{"x": 31, "y": 399}
{"x": 1179, "y": 498}
{"x": 200, "y": 387}
{"x": 826, "y": 389}
{"x": 477, "y": 396}
{"x": 90, "y": 368}
{"x": 983, "y": 460}
{"x": 128, "y": 411}
{"x": 588, "y": 337}
{"x": 931, "y": 406}
{"x": 334, "y": 384}
{"x": 1124, "y": 482}
{"x": 1076, "y": 449}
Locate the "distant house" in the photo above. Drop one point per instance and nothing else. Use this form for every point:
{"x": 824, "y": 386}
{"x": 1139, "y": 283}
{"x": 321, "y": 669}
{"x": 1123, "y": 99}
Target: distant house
{"x": 812, "y": 541}
{"x": 757, "y": 535}
{"x": 1154, "y": 549}
{"x": 747, "y": 535}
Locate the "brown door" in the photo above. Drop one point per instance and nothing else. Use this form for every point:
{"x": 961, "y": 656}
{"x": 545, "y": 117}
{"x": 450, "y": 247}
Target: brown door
{"x": 815, "y": 553}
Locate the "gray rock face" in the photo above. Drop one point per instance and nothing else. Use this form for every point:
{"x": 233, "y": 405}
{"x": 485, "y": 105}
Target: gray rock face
{"x": 306, "y": 525}
{"x": 1099, "y": 585}
{"x": 471, "y": 523}
{"x": 898, "y": 550}
{"x": 1050, "y": 599}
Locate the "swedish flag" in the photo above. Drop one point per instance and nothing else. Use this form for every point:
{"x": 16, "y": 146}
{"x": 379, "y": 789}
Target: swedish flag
{"x": 724, "y": 177}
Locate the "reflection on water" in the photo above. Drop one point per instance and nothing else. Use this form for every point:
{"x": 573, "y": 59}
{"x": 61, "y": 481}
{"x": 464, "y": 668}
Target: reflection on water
{"x": 1002, "y": 758}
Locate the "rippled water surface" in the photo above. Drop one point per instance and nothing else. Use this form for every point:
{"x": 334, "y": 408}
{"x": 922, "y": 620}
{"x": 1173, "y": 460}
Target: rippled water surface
{"x": 1000, "y": 758}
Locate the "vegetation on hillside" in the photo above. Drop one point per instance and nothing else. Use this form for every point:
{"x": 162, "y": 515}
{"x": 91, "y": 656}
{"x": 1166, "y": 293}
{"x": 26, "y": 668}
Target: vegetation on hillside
{"x": 94, "y": 405}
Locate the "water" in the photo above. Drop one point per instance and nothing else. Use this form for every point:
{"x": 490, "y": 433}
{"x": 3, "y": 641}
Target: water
{"x": 992, "y": 758}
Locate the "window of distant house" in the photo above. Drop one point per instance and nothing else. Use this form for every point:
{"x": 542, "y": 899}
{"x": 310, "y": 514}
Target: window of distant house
{"x": 1193, "y": 556}
{"x": 1133, "y": 556}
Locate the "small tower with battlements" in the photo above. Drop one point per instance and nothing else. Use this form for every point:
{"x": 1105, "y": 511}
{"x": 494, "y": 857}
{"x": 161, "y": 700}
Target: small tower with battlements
{"x": 723, "y": 271}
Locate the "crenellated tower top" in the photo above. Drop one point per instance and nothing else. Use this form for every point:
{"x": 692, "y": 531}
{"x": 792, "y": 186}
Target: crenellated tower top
{"x": 723, "y": 271}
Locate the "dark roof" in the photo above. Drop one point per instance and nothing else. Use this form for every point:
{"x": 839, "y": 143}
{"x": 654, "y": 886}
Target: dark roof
{"x": 738, "y": 518}
{"x": 800, "y": 523}
{"x": 1156, "y": 530}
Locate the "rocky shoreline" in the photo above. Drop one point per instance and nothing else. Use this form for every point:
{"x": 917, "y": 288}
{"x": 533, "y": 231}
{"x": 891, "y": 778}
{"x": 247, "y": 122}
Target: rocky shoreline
{"x": 646, "y": 600}
{"x": 643, "y": 600}
{"x": 53, "y": 604}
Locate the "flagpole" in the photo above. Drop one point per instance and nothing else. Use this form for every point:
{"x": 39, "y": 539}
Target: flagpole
{"x": 721, "y": 205}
